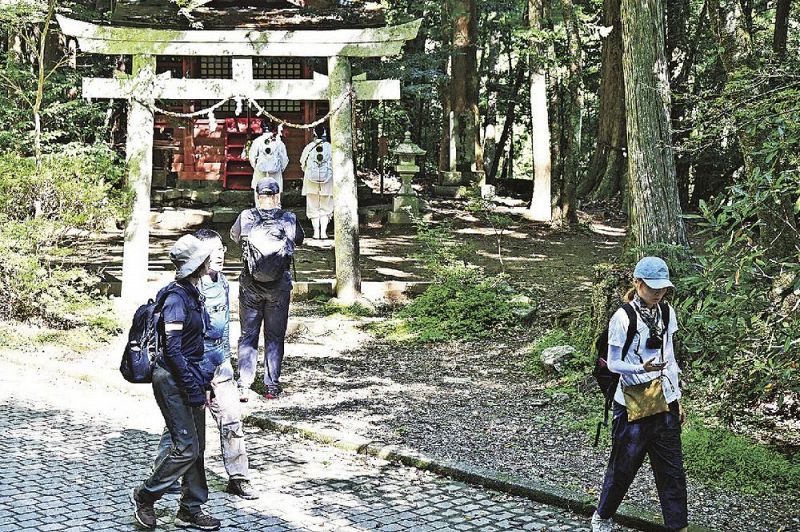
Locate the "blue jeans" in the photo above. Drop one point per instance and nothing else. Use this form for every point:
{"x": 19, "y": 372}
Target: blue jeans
{"x": 659, "y": 437}
{"x": 187, "y": 430}
{"x": 270, "y": 309}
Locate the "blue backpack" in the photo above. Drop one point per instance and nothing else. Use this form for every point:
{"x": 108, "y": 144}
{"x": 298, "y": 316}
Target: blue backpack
{"x": 144, "y": 344}
{"x": 269, "y": 250}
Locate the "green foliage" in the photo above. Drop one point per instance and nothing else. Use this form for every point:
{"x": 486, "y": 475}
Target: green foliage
{"x": 356, "y": 310}
{"x": 722, "y": 459}
{"x": 464, "y": 307}
{"x": 40, "y": 213}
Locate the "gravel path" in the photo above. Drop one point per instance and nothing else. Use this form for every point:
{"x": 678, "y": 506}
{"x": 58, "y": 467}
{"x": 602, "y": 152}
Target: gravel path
{"x": 473, "y": 403}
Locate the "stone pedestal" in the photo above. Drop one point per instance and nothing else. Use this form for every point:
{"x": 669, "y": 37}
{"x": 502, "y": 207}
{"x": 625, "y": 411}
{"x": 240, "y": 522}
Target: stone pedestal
{"x": 405, "y": 206}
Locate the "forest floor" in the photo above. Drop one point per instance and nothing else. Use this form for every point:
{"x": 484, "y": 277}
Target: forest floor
{"x": 472, "y": 402}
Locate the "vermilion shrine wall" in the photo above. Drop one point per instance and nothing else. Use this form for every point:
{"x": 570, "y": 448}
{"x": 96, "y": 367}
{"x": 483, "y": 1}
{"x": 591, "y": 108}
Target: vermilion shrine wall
{"x": 187, "y": 146}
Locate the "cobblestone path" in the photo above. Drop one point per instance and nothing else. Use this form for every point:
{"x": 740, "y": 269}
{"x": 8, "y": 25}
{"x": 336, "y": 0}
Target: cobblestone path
{"x": 63, "y": 470}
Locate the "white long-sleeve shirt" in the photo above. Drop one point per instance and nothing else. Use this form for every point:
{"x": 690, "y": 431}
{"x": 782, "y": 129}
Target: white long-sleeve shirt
{"x": 631, "y": 370}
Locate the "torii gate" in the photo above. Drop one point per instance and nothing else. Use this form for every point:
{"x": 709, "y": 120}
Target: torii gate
{"x": 143, "y": 87}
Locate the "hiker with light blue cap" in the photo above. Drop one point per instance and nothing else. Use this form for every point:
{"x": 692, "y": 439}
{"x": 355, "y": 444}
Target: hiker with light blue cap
{"x": 647, "y": 410}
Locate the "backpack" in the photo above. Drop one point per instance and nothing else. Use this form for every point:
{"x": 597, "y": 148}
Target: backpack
{"x": 267, "y": 160}
{"x": 607, "y": 381}
{"x": 268, "y": 250}
{"x": 317, "y": 164}
{"x": 144, "y": 344}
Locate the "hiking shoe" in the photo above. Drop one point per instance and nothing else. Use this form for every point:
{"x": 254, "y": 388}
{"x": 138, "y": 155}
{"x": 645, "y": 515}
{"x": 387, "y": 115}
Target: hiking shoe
{"x": 145, "y": 514}
{"x": 272, "y": 392}
{"x": 601, "y": 525}
{"x": 241, "y": 488}
{"x": 199, "y": 520}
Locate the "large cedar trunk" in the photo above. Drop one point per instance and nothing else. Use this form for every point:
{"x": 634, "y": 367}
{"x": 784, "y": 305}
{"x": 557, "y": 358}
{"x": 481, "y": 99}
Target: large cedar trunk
{"x": 464, "y": 83}
{"x": 655, "y": 211}
{"x": 608, "y": 165}
{"x": 564, "y": 203}
{"x": 541, "y": 208}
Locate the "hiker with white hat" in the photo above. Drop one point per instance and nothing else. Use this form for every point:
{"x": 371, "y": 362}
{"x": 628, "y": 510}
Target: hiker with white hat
{"x": 179, "y": 386}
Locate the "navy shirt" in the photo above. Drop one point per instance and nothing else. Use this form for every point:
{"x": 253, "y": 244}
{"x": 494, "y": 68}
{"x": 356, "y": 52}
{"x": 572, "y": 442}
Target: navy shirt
{"x": 184, "y": 304}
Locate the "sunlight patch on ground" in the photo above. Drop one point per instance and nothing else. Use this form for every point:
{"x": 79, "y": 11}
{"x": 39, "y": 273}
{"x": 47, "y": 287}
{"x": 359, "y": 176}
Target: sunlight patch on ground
{"x": 388, "y": 258}
{"x": 533, "y": 258}
{"x": 603, "y": 229}
{"x": 391, "y": 272}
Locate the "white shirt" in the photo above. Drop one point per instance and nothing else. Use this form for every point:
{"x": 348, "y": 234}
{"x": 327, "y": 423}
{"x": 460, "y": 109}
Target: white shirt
{"x": 257, "y": 147}
{"x": 631, "y": 370}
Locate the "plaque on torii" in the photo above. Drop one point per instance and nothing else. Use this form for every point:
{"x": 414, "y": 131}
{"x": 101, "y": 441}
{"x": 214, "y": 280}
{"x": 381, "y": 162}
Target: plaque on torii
{"x": 143, "y": 87}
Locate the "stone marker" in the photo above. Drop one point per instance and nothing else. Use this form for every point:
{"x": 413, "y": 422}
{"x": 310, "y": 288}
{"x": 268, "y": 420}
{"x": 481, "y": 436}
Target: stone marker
{"x": 405, "y": 206}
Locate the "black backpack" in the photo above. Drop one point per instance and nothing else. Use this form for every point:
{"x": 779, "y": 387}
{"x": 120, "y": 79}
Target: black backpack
{"x": 268, "y": 250}
{"x": 607, "y": 381}
{"x": 144, "y": 344}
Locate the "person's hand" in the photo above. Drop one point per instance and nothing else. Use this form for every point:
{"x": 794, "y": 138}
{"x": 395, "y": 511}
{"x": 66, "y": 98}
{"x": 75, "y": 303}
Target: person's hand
{"x": 652, "y": 365}
{"x": 208, "y": 399}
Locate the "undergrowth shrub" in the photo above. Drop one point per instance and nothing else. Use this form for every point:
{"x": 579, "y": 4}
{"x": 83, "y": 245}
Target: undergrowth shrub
{"x": 41, "y": 215}
{"x": 462, "y": 302}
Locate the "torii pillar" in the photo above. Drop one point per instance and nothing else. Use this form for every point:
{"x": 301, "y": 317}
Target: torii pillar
{"x": 345, "y": 213}
{"x": 139, "y": 165}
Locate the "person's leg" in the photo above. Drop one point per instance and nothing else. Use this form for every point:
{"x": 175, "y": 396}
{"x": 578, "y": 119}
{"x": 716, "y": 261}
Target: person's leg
{"x": 194, "y": 489}
{"x": 250, "y": 317}
{"x": 226, "y": 412}
{"x": 276, "y": 317}
{"x": 629, "y": 444}
{"x": 666, "y": 459}
{"x": 164, "y": 446}
{"x": 326, "y": 211}
{"x": 185, "y": 449}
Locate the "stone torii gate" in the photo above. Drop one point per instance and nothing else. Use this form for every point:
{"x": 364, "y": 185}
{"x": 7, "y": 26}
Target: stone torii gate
{"x": 143, "y": 87}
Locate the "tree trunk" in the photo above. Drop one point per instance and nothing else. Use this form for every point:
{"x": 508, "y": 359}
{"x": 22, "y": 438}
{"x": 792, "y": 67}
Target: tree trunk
{"x": 566, "y": 212}
{"x": 540, "y": 208}
{"x": 655, "y": 211}
{"x": 782, "y": 10}
{"x": 519, "y": 76}
{"x": 608, "y": 165}
{"x": 464, "y": 84}
{"x": 677, "y": 43}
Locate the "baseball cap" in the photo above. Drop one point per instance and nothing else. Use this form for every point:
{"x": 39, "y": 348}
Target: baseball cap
{"x": 267, "y": 187}
{"x": 654, "y": 272}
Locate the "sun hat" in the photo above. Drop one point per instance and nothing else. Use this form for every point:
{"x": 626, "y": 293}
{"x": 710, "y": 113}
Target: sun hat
{"x": 654, "y": 272}
{"x": 188, "y": 254}
{"x": 267, "y": 187}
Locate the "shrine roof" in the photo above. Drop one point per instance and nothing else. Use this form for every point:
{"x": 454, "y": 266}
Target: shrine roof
{"x": 249, "y": 14}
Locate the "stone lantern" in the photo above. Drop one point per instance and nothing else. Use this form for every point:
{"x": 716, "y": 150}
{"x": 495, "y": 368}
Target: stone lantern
{"x": 405, "y": 206}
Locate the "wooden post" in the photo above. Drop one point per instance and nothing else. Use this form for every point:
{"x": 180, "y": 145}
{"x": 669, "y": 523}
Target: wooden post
{"x": 139, "y": 163}
{"x": 345, "y": 195}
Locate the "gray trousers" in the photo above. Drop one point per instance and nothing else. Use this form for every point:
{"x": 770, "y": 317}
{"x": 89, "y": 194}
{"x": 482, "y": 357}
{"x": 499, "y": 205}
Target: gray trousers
{"x": 187, "y": 429}
{"x": 225, "y": 409}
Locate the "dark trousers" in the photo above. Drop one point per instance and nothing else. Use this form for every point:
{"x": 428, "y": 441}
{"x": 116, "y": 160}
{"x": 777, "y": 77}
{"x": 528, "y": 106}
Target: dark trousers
{"x": 659, "y": 437}
{"x": 187, "y": 429}
{"x": 270, "y": 309}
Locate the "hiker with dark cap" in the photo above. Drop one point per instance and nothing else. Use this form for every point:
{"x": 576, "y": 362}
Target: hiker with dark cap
{"x": 224, "y": 405}
{"x": 179, "y": 386}
{"x": 268, "y": 236}
{"x": 647, "y": 409}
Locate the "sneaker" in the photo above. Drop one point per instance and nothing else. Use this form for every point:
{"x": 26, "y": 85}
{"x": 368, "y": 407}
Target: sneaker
{"x": 199, "y": 520}
{"x": 272, "y": 392}
{"x": 241, "y": 488}
{"x": 145, "y": 514}
{"x": 243, "y": 397}
{"x": 601, "y": 525}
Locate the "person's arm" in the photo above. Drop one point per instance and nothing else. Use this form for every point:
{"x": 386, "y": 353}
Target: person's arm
{"x": 304, "y": 156}
{"x": 253, "y": 155}
{"x": 236, "y": 230}
{"x": 174, "y": 317}
{"x": 226, "y": 333}
{"x": 284, "y": 156}
{"x": 622, "y": 367}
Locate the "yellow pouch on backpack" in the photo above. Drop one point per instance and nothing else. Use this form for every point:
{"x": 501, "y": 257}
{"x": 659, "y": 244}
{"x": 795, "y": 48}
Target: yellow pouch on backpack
{"x": 645, "y": 400}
